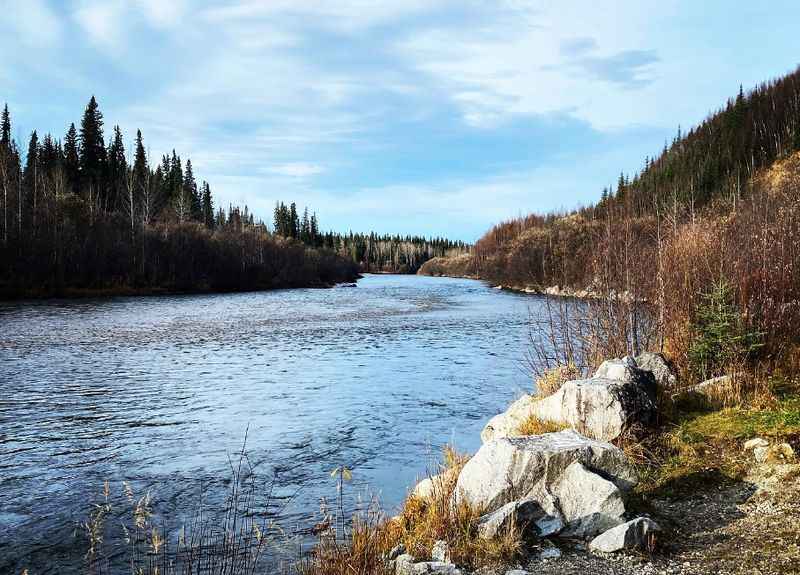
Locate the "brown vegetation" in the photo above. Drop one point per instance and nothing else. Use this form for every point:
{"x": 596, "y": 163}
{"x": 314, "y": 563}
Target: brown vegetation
{"x": 535, "y": 426}
{"x": 459, "y": 265}
{"x": 421, "y": 522}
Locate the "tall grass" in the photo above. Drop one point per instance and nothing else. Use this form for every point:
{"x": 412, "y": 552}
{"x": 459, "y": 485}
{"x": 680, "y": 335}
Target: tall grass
{"x": 422, "y": 521}
{"x": 233, "y": 540}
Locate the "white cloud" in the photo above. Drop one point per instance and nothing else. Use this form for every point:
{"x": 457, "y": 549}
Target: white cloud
{"x": 103, "y": 22}
{"x": 33, "y": 22}
{"x": 163, "y": 13}
{"x": 342, "y": 15}
{"x": 295, "y": 169}
{"x": 522, "y": 61}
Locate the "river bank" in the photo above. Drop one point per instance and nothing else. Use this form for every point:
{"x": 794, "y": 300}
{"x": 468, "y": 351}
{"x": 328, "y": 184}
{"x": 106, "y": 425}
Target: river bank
{"x": 717, "y": 486}
{"x": 11, "y": 294}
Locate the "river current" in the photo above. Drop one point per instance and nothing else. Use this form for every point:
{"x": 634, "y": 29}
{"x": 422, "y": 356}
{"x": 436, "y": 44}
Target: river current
{"x": 160, "y": 391}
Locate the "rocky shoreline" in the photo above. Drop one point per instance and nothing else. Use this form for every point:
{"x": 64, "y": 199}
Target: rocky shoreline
{"x": 572, "y": 492}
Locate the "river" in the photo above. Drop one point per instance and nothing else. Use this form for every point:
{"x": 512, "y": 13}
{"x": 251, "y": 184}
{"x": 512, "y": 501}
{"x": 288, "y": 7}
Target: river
{"x": 160, "y": 391}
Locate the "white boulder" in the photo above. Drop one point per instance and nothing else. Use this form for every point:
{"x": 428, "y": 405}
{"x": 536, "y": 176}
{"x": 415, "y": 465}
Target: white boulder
{"x": 550, "y": 553}
{"x": 524, "y": 515}
{"x": 507, "y": 423}
{"x": 635, "y": 534}
{"x": 755, "y": 443}
{"x": 603, "y": 407}
{"x": 618, "y": 396}
{"x": 440, "y": 567}
{"x": 535, "y": 467}
{"x": 588, "y": 503}
{"x": 665, "y": 375}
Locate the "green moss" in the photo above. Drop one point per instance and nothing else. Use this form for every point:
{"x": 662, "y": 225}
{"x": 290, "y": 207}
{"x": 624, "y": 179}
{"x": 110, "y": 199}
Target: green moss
{"x": 738, "y": 423}
{"x": 705, "y": 449}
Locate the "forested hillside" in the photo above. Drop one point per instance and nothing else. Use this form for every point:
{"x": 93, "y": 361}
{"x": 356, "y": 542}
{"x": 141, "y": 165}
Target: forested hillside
{"x": 707, "y": 211}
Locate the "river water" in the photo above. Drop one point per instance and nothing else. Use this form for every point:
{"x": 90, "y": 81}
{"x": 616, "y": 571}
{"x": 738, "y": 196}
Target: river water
{"x": 160, "y": 391}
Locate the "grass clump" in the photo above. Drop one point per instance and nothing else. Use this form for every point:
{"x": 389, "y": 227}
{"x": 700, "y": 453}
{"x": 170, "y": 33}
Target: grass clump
{"x": 422, "y": 522}
{"x": 360, "y": 553}
{"x": 536, "y": 426}
{"x": 552, "y": 379}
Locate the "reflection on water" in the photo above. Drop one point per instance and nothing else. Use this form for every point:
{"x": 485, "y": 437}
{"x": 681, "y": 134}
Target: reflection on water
{"x": 159, "y": 391}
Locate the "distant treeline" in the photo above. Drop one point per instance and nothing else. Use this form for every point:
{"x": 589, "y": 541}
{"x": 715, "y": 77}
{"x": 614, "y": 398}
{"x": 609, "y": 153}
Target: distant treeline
{"x": 372, "y": 252}
{"x": 79, "y": 215}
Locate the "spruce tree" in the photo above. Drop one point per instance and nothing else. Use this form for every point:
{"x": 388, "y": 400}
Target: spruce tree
{"x": 175, "y": 176}
{"x": 117, "y": 169}
{"x": 92, "y": 151}
{"x": 5, "y": 129}
{"x": 140, "y": 168}
{"x": 276, "y": 219}
{"x": 305, "y": 228}
{"x": 191, "y": 195}
{"x": 30, "y": 180}
{"x": 72, "y": 160}
{"x": 294, "y": 221}
{"x": 314, "y": 230}
{"x": 208, "y": 206}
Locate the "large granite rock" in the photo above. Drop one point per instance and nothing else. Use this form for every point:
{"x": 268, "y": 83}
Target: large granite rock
{"x": 663, "y": 371}
{"x": 507, "y": 423}
{"x": 636, "y": 534}
{"x": 617, "y": 397}
{"x": 570, "y": 476}
{"x": 708, "y": 394}
{"x": 588, "y": 503}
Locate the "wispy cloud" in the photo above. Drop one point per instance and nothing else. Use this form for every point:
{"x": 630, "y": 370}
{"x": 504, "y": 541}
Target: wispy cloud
{"x": 32, "y": 22}
{"x": 295, "y": 170}
{"x": 102, "y": 21}
{"x": 629, "y": 69}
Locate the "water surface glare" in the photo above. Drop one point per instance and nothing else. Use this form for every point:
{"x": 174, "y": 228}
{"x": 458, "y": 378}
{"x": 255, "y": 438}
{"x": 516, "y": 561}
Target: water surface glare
{"x": 159, "y": 391}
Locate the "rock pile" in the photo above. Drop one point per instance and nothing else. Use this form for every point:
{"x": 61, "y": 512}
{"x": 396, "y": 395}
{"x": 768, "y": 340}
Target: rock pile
{"x": 571, "y": 483}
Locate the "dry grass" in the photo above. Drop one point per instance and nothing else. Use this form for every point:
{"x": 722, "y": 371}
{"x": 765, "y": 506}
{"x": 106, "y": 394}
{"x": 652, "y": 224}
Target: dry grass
{"x": 361, "y": 553}
{"x": 552, "y": 379}
{"x": 424, "y": 521}
{"x": 231, "y": 540}
{"x": 535, "y": 426}
{"x": 418, "y": 526}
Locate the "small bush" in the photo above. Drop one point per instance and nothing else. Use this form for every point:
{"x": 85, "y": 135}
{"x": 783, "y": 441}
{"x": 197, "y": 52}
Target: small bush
{"x": 720, "y": 337}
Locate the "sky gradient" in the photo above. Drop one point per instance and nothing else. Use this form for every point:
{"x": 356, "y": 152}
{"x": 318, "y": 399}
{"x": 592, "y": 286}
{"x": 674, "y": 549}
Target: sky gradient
{"x": 400, "y": 116}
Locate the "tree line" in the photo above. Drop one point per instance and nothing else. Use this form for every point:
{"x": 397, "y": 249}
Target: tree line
{"x": 372, "y": 252}
{"x": 79, "y": 214}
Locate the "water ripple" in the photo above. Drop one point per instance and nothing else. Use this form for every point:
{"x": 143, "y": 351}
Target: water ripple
{"x": 159, "y": 391}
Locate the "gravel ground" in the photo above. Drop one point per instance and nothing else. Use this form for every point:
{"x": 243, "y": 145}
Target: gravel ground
{"x": 746, "y": 527}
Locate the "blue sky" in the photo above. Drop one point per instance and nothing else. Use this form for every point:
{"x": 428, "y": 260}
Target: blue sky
{"x": 436, "y": 117}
